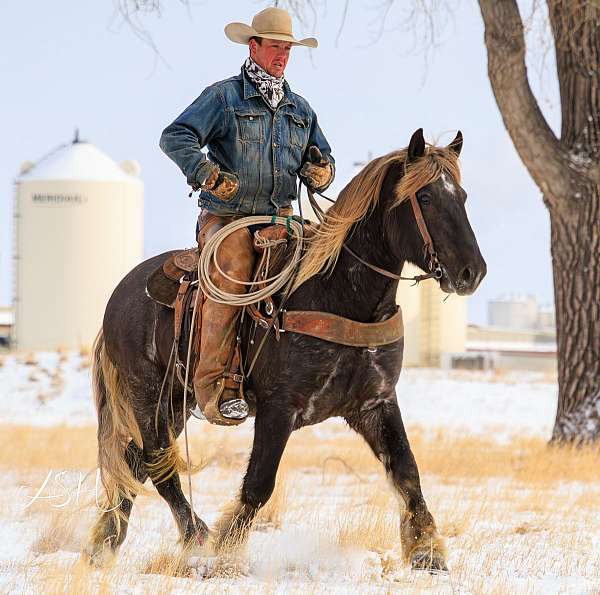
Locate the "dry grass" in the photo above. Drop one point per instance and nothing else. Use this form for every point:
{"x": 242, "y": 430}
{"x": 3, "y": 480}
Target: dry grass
{"x": 520, "y": 509}
{"x": 368, "y": 527}
{"x": 57, "y": 532}
{"x": 85, "y": 351}
{"x": 55, "y": 447}
{"x": 271, "y": 515}
{"x": 451, "y": 458}
{"x": 73, "y": 579}
{"x": 29, "y": 359}
{"x": 168, "y": 562}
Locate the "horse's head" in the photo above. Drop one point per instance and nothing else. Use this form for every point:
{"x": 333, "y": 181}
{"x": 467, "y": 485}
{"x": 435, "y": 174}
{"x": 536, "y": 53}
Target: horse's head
{"x": 429, "y": 188}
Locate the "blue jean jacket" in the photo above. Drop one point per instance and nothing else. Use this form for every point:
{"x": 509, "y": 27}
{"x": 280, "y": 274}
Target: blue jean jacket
{"x": 244, "y": 136}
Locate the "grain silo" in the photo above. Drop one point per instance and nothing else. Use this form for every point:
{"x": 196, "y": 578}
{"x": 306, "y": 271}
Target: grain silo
{"x": 434, "y": 322}
{"x": 79, "y": 229}
{"x": 443, "y": 323}
{"x": 409, "y": 298}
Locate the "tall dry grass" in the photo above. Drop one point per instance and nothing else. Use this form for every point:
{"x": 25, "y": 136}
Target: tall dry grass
{"x": 515, "y": 509}
{"x": 449, "y": 457}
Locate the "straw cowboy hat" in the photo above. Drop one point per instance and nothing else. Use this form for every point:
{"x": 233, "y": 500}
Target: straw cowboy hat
{"x": 270, "y": 23}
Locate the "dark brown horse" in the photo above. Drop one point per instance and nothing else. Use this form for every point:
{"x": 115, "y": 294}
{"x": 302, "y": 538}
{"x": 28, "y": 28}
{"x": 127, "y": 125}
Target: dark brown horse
{"x": 299, "y": 380}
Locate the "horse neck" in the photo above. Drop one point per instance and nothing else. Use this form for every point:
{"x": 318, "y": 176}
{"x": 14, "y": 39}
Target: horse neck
{"x": 353, "y": 289}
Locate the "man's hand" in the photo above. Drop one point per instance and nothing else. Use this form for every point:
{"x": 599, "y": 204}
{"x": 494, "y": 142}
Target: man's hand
{"x": 221, "y": 184}
{"x": 226, "y": 186}
{"x": 316, "y": 173}
{"x": 211, "y": 179}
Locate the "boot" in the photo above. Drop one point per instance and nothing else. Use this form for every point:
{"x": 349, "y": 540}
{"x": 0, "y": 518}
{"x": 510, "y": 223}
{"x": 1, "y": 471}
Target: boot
{"x": 218, "y": 386}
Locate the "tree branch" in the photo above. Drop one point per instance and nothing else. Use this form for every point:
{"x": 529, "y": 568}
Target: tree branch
{"x": 537, "y": 145}
{"x": 577, "y": 42}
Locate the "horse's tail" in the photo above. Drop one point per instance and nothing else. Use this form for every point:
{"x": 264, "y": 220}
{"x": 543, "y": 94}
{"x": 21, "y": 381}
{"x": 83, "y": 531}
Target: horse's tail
{"x": 117, "y": 427}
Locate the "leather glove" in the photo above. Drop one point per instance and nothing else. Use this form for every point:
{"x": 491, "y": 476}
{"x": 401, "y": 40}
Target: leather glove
{"x": 317, "y": 172}
{"x": 221, "y": 184}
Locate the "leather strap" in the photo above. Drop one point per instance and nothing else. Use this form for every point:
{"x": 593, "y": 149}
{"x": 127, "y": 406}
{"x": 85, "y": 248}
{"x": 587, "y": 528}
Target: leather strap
{"x": 372, "y": 266}
{"x": 337, "y": 329}
{"x": 427, "y": 241}
{"x": 179, "y": 301}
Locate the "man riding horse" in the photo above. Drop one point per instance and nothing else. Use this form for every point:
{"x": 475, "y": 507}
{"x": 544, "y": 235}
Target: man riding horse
{"x": 258, "y": 134}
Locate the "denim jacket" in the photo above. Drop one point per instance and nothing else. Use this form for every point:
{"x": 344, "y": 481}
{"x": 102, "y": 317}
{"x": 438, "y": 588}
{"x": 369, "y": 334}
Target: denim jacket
{"x": 265, "y": 149}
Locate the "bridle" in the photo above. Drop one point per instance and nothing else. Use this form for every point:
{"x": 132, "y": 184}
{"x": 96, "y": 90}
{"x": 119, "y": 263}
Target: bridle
{"x": 436, "y": 270}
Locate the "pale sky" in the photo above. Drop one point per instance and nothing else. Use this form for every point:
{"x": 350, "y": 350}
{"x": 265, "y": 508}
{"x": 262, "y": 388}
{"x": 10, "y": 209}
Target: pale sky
{"x": 67, "y": 64}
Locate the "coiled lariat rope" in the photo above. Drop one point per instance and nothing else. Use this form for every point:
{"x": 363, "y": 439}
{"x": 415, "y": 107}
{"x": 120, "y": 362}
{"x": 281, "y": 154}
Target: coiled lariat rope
{"x": 259, "y": 289}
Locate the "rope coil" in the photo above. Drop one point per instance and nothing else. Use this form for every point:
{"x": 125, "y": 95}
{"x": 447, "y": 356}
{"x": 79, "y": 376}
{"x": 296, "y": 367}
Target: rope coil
{"x": 269, "y": 286}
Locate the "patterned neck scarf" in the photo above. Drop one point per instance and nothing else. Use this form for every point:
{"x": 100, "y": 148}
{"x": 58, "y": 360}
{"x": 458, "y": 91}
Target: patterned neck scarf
{"x": 270, "y": 87}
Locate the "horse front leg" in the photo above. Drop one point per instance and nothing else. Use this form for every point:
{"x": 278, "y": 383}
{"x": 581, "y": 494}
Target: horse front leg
{"x": 383, "y": 430}
{"x": 272, "y": 428}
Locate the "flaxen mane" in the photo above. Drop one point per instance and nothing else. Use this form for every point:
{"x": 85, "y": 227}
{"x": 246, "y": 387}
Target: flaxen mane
{"x": 362, "y": 194}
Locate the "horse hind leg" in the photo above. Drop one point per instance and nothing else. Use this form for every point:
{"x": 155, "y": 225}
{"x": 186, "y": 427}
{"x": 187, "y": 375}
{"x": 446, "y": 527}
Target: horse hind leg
{"x": 119, "y": 458}
{"x": 110, "y": 528}
{"x": 163, "y": 465}
{"x": 383, "y": 430}
{"x": 161, "y": 459}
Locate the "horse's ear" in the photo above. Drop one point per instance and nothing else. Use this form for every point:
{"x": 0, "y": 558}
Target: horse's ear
{"x": 457, "y": 143}
{"x": 416, "y": 146}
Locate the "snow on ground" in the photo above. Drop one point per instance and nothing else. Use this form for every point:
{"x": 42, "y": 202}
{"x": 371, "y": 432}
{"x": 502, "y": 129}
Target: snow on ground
{"x": 478, "y": 402}
{"x": 56, "y": 389}
{"x": 46, "y": 389}
{"x": 335, "y": 529}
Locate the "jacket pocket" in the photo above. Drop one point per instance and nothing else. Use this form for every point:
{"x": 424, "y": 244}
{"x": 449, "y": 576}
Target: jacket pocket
{"x": 298, "y": 130}
{"x": 250, "y": 125}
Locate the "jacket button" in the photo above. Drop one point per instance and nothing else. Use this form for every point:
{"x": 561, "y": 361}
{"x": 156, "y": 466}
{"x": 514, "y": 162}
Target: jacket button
{"x": 251, "y": 118}
{"x": 274, "y": 145}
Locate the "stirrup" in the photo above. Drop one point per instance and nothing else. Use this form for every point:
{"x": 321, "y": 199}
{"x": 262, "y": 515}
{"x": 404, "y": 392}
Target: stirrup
{"x": 234, "y": 409}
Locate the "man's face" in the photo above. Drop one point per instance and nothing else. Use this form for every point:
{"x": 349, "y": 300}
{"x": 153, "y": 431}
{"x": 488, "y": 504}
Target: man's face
{"x": 271, "y": 55}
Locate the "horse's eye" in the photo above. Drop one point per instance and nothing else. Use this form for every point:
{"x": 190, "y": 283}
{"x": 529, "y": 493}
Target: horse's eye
{"x": 424, "y": 199}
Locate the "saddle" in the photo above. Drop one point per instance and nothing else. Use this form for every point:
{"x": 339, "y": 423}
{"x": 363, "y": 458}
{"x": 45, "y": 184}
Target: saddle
{"x": 164, "y": 283}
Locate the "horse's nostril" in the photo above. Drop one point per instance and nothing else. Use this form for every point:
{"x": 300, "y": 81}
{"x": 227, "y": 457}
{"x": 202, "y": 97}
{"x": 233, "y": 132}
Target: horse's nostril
{"x": 466, "y": 275}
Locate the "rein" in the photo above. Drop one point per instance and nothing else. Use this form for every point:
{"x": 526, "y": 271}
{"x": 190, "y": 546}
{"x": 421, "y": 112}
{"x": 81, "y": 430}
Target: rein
{"x": 435, "y": 268}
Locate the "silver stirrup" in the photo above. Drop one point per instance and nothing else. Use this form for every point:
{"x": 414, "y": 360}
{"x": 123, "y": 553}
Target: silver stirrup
{"x": 197, "y": 413}
{"x": 234, "y": 409}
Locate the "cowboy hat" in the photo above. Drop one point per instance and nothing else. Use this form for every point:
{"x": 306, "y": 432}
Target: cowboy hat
{"x": 270, "y": 23}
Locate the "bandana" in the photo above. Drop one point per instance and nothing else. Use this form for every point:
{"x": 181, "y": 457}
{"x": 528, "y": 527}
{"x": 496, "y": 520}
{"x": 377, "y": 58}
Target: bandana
{"x": 270, "y": 87}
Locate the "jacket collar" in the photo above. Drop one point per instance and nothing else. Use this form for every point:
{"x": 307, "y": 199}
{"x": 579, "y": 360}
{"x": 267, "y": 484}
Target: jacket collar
{"x": 251, "y": 91}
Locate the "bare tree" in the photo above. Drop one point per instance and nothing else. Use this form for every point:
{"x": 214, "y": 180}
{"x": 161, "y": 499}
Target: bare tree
{"x": 566, "y": 169}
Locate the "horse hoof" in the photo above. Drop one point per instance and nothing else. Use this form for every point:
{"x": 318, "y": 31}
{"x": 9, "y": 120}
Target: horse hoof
{"x": 100, "y": 557}
{"x": 198, "y": 542}
{"x": 433, "y": 562}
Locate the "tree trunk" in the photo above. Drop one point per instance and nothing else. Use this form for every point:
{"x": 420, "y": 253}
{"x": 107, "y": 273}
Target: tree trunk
{"x": 576, "y": 223}
{"x": 568, "y": 173}
{"x": 576, "y": 265}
